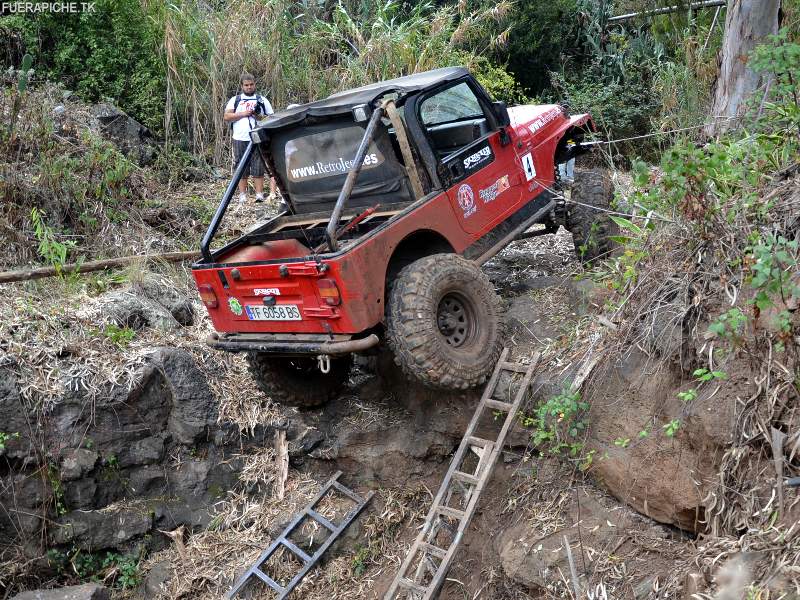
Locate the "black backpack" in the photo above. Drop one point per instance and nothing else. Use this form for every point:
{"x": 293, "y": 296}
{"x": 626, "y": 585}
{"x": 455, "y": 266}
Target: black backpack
{"x": 261, "y": 108}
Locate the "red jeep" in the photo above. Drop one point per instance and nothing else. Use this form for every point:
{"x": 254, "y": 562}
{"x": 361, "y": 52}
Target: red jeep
{"x": 397, "y": 193}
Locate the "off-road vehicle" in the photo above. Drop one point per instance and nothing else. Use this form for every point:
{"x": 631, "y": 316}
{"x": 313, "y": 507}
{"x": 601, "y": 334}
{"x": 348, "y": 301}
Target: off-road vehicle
{"x": 397, "y": 193}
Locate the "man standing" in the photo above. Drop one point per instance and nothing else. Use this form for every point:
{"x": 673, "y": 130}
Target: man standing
{"x": 243, "y": 112}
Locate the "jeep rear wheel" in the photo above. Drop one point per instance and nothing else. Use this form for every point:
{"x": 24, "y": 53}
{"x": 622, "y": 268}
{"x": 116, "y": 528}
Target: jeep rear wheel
{"x": 591, "y": 229}
{"x": 297, "y": 381}
{"x": 444, "y": 322}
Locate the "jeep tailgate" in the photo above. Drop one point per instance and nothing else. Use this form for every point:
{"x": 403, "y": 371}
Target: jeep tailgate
{"x": 279, "y": 298}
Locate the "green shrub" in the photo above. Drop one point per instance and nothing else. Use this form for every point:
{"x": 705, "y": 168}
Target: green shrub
{"x": 111, "y": 52}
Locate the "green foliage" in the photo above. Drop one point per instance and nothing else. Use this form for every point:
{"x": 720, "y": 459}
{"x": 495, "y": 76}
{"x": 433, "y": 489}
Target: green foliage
{"x": 49, "y": 248}
{"x": 542, "y": 36}
{"x": 557, "y": 424}
{"x": 774, "y": 260}
{"x": 5, "y": 437}
{"x": 671, "y": 428}
{"x": 498, "y": 82}
{"x": 54, "y": 478}
{"x": 704, "y": 375}
{"x": 780, "y": 57}
{"x": 360, "y": 562}
{"x": 729, "y": 324}
{"x": 120, "y": 571}
{"x": 621, "y": 109}
{"x": 688, "y": 395}
{"x": 19, "y": 94}
{"x": 119, "y": 336}
{"x": 111, "y": 52}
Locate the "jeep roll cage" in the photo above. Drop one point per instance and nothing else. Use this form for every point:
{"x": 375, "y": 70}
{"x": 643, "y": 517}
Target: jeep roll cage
{"x": 426, "y": 172}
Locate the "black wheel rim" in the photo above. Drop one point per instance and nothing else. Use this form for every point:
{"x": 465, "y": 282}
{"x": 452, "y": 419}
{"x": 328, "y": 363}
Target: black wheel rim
{"x": 455, "y": 318}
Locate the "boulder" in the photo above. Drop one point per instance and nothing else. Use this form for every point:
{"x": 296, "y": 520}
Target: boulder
{"x": 665, "y": 478}
{"x": 77, "y": 462}
{"x": 157, "y": 578}
{"x": 98, "y": 529}
{"x": 132, "y": 138}
{"x": 194, "y": 407}
{"x": 535, "y": 560}
{"x": 164, "y": 293}
{"x": 127, "y": 309}
{"x": 89, "y": 591}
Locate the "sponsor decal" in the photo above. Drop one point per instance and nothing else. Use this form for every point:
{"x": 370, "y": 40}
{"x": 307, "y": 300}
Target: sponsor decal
{"x": 466, "y": 200}
{"x": 543, "y": 120}
{"x": 527, "y": 165}
{"x": 266, "y": 292}
{"x": 493, "y": 191}
{"x": 334, "y": 167}
{"x": 235, "y": 306}
{"x": 478, "y": 157}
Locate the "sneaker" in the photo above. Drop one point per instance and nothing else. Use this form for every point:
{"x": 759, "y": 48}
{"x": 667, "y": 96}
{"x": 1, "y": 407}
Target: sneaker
{"x": 259, "y": 197}
{"x": 242, "y": 198}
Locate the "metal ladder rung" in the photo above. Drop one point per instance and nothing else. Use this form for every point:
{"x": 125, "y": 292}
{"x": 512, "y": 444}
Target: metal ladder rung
{"x": 353, "y": 496}
{"x": 410, "y": 585}
{"x": 517, "y": 368}
{"x": 476, "y": 441}
{"x": 295, "y": 549}
{"x": 450, "y": 512}
{"x": 269, "y": 580}
{"x": 431, "y": 549}
{"x": 465, "y": 477}
{"x": 321, "y": 520}
{"x": 499, "y": 404}
{"x": 283, "y": 540}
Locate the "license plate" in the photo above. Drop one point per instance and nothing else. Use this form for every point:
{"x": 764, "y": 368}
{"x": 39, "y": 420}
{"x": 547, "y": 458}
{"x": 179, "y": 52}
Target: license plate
{"x": 281, "y": 312}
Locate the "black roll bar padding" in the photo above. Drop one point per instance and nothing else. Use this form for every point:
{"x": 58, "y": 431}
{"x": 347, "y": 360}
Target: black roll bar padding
{"x": 226, "y": 200}
{"x": 352, "y": 175}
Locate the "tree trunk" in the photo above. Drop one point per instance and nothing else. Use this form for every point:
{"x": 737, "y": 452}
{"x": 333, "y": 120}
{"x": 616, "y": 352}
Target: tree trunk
{"x": 747, "y": 24}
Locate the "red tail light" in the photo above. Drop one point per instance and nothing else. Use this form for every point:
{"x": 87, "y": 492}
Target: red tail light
{"x": 207, "y": 295}
{"x": 329, "y": 292}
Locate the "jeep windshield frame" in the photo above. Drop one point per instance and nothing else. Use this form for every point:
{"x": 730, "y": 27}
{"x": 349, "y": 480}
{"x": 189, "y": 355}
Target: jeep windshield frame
{"x": 337, "y": 105}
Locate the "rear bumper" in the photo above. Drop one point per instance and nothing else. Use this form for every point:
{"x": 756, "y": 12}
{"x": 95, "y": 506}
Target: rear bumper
{"x": 294, "y": 345}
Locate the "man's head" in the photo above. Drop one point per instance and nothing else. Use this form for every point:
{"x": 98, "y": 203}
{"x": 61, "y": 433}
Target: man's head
{"x": 248, "y": 83}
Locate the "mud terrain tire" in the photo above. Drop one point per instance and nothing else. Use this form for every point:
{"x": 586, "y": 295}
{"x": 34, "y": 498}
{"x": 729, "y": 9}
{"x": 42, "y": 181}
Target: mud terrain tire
{"x": 297, "y": 381}
{"x": 444, "y": 323}
{"x": 591, "y": 229}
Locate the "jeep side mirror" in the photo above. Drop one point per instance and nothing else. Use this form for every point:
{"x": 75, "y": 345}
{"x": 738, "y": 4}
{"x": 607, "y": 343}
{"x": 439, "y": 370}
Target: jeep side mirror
{"x": 500, "y": 111}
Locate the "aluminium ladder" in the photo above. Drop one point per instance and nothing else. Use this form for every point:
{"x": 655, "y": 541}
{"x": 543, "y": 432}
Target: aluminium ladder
{"x": 425, "y": 581}
{"x": 283, "y": 540}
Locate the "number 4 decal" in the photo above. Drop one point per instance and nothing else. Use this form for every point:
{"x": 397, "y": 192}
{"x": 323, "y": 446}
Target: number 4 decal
{"x": 527, "y": 164}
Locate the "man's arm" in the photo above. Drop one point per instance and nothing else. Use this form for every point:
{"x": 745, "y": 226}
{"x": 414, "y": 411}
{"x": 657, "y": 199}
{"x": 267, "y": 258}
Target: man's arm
{"x": 232, "y": 116}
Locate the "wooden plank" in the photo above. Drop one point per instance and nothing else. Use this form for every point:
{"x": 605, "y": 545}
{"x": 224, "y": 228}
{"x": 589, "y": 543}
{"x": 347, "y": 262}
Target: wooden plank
{"x": 499, "y": 404}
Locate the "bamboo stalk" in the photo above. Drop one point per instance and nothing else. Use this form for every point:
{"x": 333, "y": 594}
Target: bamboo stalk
{"x": 95, "y": 265}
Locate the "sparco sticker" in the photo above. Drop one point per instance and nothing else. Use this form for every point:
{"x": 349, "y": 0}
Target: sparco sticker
{"x": 466, "y": 200}
{"x": 493, "y": 191}
{"x": 477, "y": 158}
{"x": 266, "y": 292}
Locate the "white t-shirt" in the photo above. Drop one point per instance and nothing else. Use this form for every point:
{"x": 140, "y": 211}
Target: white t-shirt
{"x": 242, "y": 127}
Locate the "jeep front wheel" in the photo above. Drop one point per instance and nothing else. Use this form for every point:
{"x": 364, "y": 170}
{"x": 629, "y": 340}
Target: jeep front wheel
{"x": 297, "y": 381}
{"x": 588, "y": 219}
{"x": 444, "y": 322}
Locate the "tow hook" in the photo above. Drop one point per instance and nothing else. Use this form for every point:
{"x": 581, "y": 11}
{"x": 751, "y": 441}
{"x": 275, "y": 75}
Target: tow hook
{"x": 324, "y": 363}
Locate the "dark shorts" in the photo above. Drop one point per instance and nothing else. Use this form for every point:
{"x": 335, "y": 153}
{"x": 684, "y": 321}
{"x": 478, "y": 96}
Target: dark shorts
{"x": 256, "y": 167}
